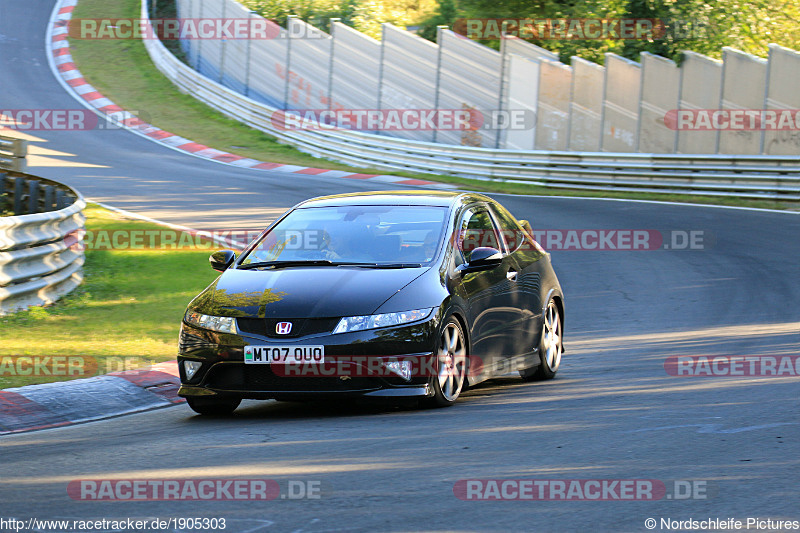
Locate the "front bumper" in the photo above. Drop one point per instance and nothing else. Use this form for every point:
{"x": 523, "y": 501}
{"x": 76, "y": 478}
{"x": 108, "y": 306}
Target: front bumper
{"x": 224, "y": 373}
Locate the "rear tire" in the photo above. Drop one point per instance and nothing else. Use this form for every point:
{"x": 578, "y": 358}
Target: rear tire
{"x": 213, "y": 406}
{"x": 550, "y": 346}
{"x": 451, "y": 365}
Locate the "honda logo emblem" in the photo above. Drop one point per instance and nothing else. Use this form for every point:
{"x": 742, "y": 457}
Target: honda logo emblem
{"x": 283, "y": 328}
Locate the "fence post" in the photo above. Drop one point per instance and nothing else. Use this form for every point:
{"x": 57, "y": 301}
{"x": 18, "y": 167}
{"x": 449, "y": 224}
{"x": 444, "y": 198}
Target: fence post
{"x": 288, "y": 59}
{"x": 721, "y": 101}
{"x": 247, "y": 54}
{"x": 199, "y": 46}
{"x": 639, "y": 106}
{"x": 766, "y": 99}
{"x": 380, "y": 66}
{"x": 222, "y": 48}
{"x": 439, "y": 30}
{"x": 681, "y": 71}
{"x": 501, "y": 95}
{"x": 331, "y": 63}
{"x": 603, "y": 103}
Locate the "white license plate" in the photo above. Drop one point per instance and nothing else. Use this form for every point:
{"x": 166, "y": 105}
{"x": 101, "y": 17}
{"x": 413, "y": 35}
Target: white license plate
{"x": 260, "y": 355}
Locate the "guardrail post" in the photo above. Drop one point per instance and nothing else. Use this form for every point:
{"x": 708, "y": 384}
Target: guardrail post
{"x": 5, "y": 183}
{"x": 33, "y": 197}
{"x": 60, "y": 199}
{"x": 38, "y": 267}
{"x": 19, "y": 190}
{"x": 49, "y": 193}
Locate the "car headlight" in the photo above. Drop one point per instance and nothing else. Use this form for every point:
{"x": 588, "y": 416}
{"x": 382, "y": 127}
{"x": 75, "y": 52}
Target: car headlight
{"x": 357, "y": 323}
{"x": 224, "y": 324}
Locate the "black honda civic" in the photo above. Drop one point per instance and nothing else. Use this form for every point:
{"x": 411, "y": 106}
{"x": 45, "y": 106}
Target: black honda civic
{"x": 389, "y": 295}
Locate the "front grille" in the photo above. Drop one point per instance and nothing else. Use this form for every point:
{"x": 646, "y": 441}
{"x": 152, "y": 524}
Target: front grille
{"x": 257, "y": 378}
{"x": 301, "y": 327}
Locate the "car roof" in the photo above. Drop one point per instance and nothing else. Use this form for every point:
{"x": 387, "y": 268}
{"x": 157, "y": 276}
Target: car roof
{"x": 429, "y": 198}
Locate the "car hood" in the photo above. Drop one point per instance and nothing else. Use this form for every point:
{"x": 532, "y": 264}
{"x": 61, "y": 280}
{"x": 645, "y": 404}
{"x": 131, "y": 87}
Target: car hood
{"x": 319, "y": 292}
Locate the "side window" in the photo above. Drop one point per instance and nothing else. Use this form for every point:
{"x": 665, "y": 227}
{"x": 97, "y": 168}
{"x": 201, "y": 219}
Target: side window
{"x": 510, "y": 230}
{"x": 476, "y": 230}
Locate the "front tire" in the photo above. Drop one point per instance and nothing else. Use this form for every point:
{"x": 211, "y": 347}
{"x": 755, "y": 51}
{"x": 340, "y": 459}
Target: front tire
{"x": 213, "y": 406}
{"x": 451, "y": 365}
{"x": 550, "y": 346}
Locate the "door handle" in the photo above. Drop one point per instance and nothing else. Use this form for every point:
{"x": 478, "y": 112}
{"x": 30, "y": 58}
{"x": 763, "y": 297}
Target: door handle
{"x": 511, "y": 275}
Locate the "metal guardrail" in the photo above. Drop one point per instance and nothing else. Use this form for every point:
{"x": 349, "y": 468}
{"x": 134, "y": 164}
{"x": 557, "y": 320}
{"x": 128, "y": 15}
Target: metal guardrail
{"x": 746, "y": 176}
{"x": 41, "y": 255}
{"x": 12, "y": 153}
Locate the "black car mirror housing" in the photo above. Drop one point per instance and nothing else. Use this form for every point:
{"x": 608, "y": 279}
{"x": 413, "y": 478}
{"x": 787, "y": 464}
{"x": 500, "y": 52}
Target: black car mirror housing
{"x": 222, "y": 259}
{"x": 482, "y": 258}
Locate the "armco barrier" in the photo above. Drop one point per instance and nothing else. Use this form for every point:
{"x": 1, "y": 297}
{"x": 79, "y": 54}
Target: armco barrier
{"x": 749, "y": 176}
{"x": 12, "y": 153}
{"x": 40, "y": 254}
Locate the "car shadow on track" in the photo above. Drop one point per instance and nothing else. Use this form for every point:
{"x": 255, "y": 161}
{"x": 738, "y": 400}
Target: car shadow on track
{"x": 327, "y": 408}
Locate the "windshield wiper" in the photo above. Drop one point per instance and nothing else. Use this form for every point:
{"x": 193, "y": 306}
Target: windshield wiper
{"x": 282, "y": 264}
{"x": 324, "y": 262}
{"x": 388, "y": 265}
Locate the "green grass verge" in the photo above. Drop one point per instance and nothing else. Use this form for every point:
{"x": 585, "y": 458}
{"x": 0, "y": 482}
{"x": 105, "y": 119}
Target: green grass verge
{"x": 122, "y": 71}
{"x": 126, "y": 314}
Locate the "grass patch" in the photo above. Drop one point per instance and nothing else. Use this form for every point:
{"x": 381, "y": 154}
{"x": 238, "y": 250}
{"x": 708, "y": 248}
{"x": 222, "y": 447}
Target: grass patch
{"x": 122, "y": 70}
{"x": 126, "y": 314}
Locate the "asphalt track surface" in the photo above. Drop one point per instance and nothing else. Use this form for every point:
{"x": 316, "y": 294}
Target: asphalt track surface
{"x": 612, "y": 413}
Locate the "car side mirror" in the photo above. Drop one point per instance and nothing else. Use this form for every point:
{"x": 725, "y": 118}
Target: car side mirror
{"x": 526, "y": 226}
{"x": 482, "y": 258}
{"x": 222, "y": 259}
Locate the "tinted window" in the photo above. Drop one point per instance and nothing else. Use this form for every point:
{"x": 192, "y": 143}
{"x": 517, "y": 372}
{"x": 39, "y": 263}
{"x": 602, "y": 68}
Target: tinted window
{"x": 476, "y": 230}
{"x": 510, "y": 230}
{"x": 361, "y": 234}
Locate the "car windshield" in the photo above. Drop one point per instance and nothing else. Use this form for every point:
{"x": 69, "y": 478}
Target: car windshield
{"x": 379, "y": 235}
